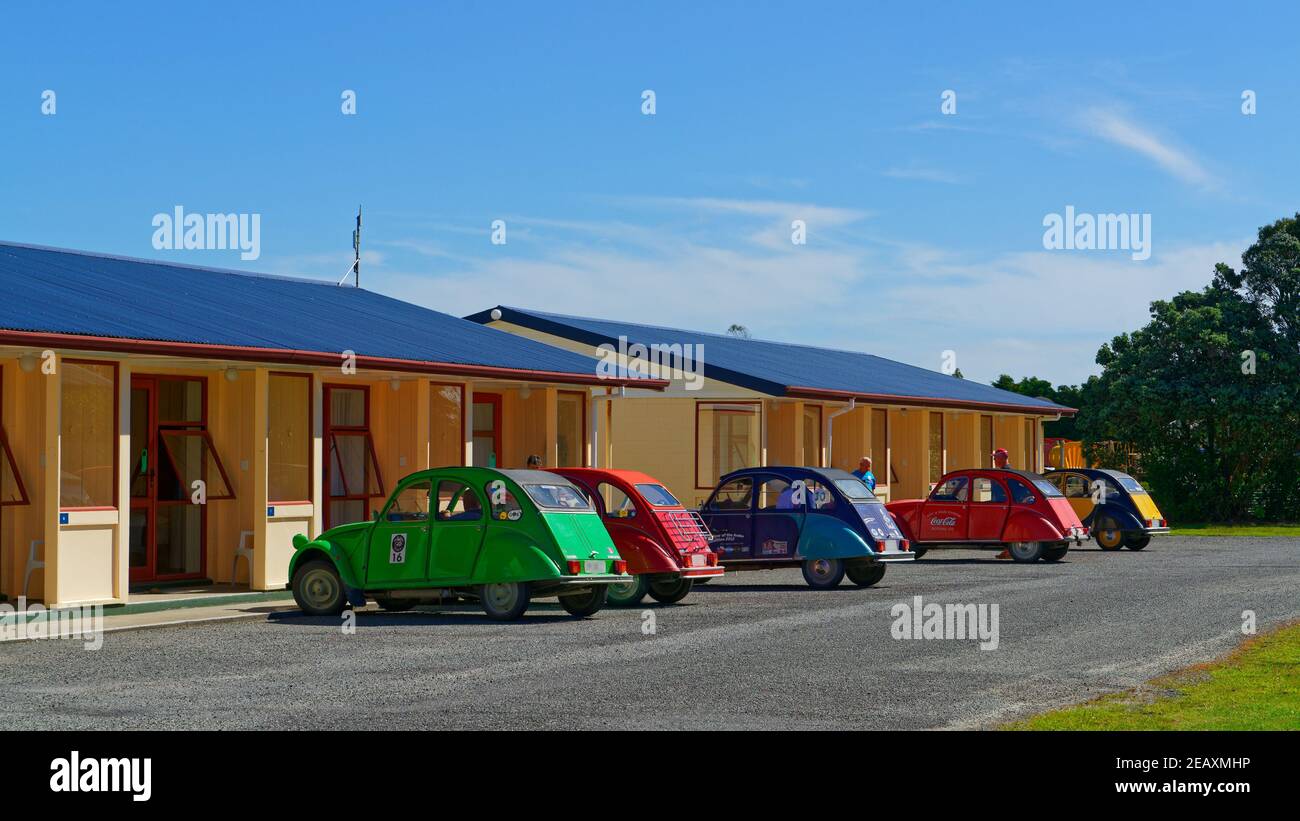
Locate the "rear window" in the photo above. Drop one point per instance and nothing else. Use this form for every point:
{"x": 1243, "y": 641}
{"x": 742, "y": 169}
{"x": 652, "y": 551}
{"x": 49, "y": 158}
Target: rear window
{"x": 658, "y": 496}
{"x": 1049, "y": 490}
{"x": 557, "y": 497}
{"x": 854, "y": 488}
{"x": 1129, "y": 483}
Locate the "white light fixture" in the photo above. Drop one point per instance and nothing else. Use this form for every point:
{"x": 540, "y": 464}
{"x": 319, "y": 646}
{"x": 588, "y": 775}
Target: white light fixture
{"x": 496, "y": 314}
{"x": 232, "y": 375}
{"x": 525, "y": 392}
{"x": 395, "y": 384}
{"x": 28, "y": 362}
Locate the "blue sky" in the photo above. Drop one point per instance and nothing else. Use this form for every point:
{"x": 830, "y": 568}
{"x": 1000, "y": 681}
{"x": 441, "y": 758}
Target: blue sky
{"x": 924, "y": 230}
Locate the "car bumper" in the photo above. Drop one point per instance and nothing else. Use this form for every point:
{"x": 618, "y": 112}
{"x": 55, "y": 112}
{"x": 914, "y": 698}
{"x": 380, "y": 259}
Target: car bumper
{"x": 702, "y": 572}
{"x": 893, "y": 556}
{"x": 1154, "y": 531}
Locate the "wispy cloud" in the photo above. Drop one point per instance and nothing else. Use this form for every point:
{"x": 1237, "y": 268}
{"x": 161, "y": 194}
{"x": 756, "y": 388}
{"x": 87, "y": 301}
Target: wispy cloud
{"x": 1178, "y": 162}
{"x": 924, "y": 173}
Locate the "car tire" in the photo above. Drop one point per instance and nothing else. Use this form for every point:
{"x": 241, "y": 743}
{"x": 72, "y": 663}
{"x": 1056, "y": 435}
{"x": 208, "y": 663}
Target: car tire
{"x": 628, "y": 593}
{"x": 823, "y": 574}
{"x": 317, "y": 588}
{"x": 670, "y": 592}
{"x": 1055, "y": 554}
{"x": 1025, "y": 552}
{"x": 865, "y": 575}
{"x": 1108, "y": 535}
{"x": 582, "y": 605}
{"x": 1137, "y": 543}
{"x": 504, "y": 601}
{"x": 397, "y": 605}
{"x": 920, "y": 551}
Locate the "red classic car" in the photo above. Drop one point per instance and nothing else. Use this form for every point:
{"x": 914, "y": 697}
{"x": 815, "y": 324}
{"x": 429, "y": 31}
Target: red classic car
{"x": 665, "y": 545}
{"x": 1012, "y": 509}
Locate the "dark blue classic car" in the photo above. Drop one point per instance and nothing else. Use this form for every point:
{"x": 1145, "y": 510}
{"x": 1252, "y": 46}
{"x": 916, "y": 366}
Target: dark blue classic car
{"x": 821, "y": 519}
{"x": 1113, "y": 505}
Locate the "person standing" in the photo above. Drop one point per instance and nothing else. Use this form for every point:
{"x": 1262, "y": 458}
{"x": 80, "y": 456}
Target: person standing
{"x": 1000, "y": 461}
{"x": 864, "y": 473}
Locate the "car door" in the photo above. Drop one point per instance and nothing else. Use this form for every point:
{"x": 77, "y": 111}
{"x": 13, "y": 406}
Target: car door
{"x": 944, "y": 516}
{"x": 1080, "y": 493}
{"x": 456, "y": 533}
{"x": 988, "y": 508}
{"x": 729, "y": 516}
{"x": 399, "y": 540}
{"x": 778, "y": 517}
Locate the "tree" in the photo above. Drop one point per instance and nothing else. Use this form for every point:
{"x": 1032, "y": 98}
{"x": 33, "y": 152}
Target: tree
{"x": 738, "y": 331}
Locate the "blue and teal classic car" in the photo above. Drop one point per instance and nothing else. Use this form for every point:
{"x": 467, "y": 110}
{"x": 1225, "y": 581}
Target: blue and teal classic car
{"x": 822, "y": 520}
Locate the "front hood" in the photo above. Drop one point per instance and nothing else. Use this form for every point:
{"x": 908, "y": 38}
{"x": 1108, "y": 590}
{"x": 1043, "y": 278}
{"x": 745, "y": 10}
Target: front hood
{"x": 345, "y": 535}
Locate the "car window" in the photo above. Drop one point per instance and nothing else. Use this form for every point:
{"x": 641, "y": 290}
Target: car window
{"x": 1049, "y": 490}
{"x": 953, "y": 490}
{"x": 990, "y": 491}
{"x": 734, "y": 495}
{"x": 457, "y": 502}
{"x": 658, "y": 495}
{"x": 557, "y": 497}
{"x": 775, "y": 494}
{"x": 1020, "y": 492}
{"x": 854, "y": 488}
{"x": 1129, "y": 483}
{"x": 1077, "y": 487}
{"x": 618, "y": 505}
{"x": 819, "y": 497}
{"x": 504, "y": 505}
{"x": 410, "y": 504}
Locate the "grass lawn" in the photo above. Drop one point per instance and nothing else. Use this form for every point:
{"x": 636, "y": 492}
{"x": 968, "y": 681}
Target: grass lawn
{"x": 1237, "y": 530}
{"x": 1256, "y": 687}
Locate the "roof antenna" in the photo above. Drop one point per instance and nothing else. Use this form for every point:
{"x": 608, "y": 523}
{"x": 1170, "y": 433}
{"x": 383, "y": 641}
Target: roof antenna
{"x": 356, "y": 253}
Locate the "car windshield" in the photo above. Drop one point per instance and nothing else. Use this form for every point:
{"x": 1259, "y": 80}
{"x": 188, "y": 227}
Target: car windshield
{"x": 854, "y": 488}
{"x": 1129, "y": 483}
{"x": 658, "y": 496}
{"x": 1049, "y": 490}
{"x": 558, "y": 497}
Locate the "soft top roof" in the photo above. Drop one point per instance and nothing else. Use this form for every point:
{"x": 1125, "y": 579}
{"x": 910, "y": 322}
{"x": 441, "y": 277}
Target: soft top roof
{"x": 830, "y": 474}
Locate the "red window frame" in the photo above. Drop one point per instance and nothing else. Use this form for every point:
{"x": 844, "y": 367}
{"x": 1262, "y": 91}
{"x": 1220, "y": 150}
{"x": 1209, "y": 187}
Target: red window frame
{"x": 163, "y": 433}
{"x": 336, "y": 463}
{"x": 23, "y": 499}
{"x": 582, "y": 431}
{"x": 698, "y": 405}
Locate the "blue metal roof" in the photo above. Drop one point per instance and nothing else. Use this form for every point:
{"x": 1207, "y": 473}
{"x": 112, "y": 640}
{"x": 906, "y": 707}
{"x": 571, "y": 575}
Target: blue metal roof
{"x": 50, "y": 290}
{"x": 784, "y": 369}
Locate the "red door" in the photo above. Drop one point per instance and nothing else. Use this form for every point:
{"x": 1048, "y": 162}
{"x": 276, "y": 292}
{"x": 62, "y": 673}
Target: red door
{"x": 944, "y": 516}
{"x": 144, "y": 478}
{"x": 485, "y": 415}
{"x": 988, "y": 509}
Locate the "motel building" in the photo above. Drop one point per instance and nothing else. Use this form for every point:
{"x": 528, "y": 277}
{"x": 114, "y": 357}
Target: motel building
{"x": 759, "y": 403}
{"x": 165, "y": 425}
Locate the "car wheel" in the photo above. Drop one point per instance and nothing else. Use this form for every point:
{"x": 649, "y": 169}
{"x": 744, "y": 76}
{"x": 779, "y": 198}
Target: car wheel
{"x": 865, "y": 575}
{"x": 1025, "y": 551}
{"x": 670, "y": 592}
{"x": 396, "y": 605}
{"x": 920, "y": 551}
{"x": 1138, "y": 543}
{"x": 628, "y": 593}
{"x": 585, "y": 604}
{"x": 823, "y": 574}
{"x": 1109, "y": 536}
{"x": 1055, "y": 554}
{"x": 504, "y": 601}
{"x": 317, "y": 588}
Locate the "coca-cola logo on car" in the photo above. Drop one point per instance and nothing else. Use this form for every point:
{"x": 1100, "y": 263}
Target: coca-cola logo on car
{"x": 943, "y": 521}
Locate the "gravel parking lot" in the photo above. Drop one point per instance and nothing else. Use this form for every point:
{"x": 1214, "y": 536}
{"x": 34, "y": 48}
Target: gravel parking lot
{"x": 753, "y": 650}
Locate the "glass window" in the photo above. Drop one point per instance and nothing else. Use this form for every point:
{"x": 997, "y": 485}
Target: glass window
{"x": 570, "y": 429}
{"x": 854, "y": 488}
{"x": 1077, "y": 487}
{"x": 88, "y": 444}
{"x": 180, "y": 401}
{"x": 288, "y": 438}
{"x": 734, "y": 495}
{"x": 936, "y": 447}
{"x": 1046, "y": 487}
{"x": 190, "y": 457}
{"x": 457, "y": 502}
{"x": 411, "y": 503}
{"x": 12, "y": 490}
{"x": 775, "y": 494}
{"x": 618, "y": 505}
{"x": 812, "y": 435}
{"x": 503, "y": 502}
{"x": 953, "y": 490}
{"x": 1020, "y": 492}
{"x": 356, "y": 470}
{"x": 1129, "y": 483}
{"x": 1031, "y": 444}
{"x": 559, "y": 497}
{"x": 446, "y": 425}
{"x": 347, "y": 407}
{"x": 658, "y": 496}
{"x": 819, "y": 497}
{"x": 726, "y": 439}
{"x": 880, "y": 445}
{"x": 984, "y": 490}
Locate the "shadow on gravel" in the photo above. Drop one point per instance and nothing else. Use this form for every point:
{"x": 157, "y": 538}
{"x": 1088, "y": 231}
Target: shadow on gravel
{"x": 777, "y": 588}
{"x": 458, "y": 616}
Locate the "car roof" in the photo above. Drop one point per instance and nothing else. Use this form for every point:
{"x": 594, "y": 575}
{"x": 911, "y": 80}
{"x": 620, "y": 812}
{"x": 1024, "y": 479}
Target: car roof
{"x": 1023, "y": 474}
{"x": 632, "y": 477}
{"x": 830, "y": 474}
{"x": 1115, "y": 474}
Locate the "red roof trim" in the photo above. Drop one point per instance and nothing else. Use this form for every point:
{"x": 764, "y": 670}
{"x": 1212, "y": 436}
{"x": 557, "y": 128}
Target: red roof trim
{"x": 926, "y": 401}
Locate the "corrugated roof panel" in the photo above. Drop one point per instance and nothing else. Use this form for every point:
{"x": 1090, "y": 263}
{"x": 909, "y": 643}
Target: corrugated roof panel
{"x": 776, "y": 367}
{"x": 51, "y": 290}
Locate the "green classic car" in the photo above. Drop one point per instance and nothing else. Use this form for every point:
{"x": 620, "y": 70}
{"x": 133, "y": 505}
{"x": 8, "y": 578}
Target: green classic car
{"x": 502, "y": 537}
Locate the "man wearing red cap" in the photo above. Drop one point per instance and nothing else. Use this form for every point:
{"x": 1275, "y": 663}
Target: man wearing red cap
{"x": 1000, "y": 462}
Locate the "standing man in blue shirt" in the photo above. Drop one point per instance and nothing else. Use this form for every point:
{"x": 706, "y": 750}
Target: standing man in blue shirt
{"x": 864, "y": 473}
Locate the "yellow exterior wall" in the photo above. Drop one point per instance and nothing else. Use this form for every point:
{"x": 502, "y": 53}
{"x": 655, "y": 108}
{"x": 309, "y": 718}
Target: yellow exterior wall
{"x": 657, "y": 436}
{"x": 852, "y": 436}
{"x": 962, "y": 440}
{"x": 23, "y": 416}
{"x": 784, "y": 433}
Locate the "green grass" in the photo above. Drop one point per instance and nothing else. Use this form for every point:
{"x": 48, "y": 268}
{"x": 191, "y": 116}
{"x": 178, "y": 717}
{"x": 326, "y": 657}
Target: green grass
{"x": 1237, "y": 530}
{"x": 1256, "y": 687}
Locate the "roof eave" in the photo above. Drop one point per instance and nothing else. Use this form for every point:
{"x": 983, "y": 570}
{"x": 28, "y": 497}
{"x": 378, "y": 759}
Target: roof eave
{"x": 285, "y": 356}
{"x": 800, "y": 392}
